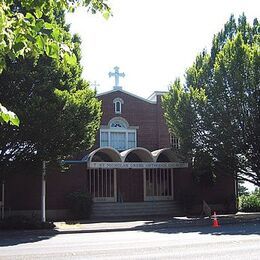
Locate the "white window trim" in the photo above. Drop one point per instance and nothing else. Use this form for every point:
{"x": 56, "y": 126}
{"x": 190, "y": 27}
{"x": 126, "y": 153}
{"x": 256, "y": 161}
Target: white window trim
{"x": 126, "y": 129}
{"x": 120, "y": 107}
{"x": 109, "y": 131}
{"x": 115, "y": 101}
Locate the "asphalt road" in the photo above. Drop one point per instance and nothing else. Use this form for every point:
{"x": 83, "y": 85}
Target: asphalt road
{"x": 227, "y": 242}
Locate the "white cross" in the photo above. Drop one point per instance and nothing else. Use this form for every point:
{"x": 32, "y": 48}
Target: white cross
{"x": 116, "y": 74}
{"x": 94, "y": 84}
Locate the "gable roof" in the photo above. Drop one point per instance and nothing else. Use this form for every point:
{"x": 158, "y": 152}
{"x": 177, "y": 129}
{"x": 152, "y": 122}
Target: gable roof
{"x": 127, "y": 93}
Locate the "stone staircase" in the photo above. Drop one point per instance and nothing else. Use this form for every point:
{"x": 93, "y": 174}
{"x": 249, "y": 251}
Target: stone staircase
{"x": 134, "y": 209}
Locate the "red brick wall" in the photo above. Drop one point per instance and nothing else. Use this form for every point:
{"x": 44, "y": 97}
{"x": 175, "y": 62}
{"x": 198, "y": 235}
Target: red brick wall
{"x": 23, "y": 191}
{"x": 59, "y": 185}
{"x": 152, "y": 133}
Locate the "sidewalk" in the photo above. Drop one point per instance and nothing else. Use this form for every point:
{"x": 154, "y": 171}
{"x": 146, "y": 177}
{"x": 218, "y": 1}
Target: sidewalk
{"x": 153, "y": 223}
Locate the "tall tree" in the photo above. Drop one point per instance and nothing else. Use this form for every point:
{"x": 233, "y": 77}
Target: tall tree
{"x": 181, "y": 108}
{"x": 229, "y": 122}
{"x": 59, "y": 112}
{"x": 31, "y": 29}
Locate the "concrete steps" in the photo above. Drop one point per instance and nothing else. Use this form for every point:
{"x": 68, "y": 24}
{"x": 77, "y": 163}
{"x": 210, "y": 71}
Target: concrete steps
{"x": 132, "y": 209}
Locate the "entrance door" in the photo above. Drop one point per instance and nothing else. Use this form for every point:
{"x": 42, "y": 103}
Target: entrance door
{"x": 130, "y": 185}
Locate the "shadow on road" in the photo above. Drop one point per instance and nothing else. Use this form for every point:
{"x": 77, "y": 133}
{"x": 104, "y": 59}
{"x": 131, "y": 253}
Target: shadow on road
{"x": 174, "y": 226}
{"x": 12, "y": 238}
{"x": 224, "y": 229}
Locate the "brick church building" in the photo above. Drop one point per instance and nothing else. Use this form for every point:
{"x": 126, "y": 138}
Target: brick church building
{"x": 133, "y": 168}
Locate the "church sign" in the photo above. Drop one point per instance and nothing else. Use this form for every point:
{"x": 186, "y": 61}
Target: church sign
{"x": 137, "y": 165}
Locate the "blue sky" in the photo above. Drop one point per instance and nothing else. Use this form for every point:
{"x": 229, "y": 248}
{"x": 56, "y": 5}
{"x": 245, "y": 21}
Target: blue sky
{"x": 152, "y": 41}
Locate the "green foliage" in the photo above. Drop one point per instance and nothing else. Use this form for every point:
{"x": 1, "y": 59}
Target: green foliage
{"x": 203, "y": 170}
{"x": 257, "y": 192}
{"x": 59, "y": 112}
{"x": 31, "y": 29}
{"x": 220, "y": 125}
{"x": 242, "y": 190}
{"x": 180, "y": 107}
{"x": 80, "y": 204}
{"x": 8, "y": 116}
{"x": 250, "y": 203}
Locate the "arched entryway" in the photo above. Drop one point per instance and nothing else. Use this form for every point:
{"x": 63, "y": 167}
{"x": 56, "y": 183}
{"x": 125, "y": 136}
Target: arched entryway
{"x": 138, "y": 154}
{"x": 158, "y": 182}
{"x": 130, "y": 182}
{"x": 133, "y": 175}
{"x": 102, "y": 182}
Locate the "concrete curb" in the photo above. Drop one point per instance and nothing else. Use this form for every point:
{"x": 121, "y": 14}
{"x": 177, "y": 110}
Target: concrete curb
{"x": 156, "y": 225}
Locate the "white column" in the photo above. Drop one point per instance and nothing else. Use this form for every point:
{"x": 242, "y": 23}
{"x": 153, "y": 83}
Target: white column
{"x": 164, "y": 181}
{"x": 106, "y": 183}
{"x": 110, "y": 183}
{"x": 172, "y": 184}
{"x": 98, "y": 171}
{"x": 94, "y": 183}
{"x": 160, "y": 182}
{"x": 102, "y": 183}
{"x": 157, "y": 179}
{"x": 152, "y": 174}
{"x": 115, "y": 190}
{"x": 89, "y": 172}
{"x": 144, "y": 177}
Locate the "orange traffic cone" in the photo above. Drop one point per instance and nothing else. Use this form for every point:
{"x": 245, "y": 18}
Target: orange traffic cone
{"x": 215, "y": 220}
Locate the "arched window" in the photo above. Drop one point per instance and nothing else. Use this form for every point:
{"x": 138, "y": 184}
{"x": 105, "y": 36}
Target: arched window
{"x": 118, "y": 105}
{"x": 118, "y": 124}
{"x": 118, "y": 135}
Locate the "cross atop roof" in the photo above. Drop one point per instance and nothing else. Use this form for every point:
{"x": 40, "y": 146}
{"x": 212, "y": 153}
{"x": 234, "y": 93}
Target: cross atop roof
{"x": 116, "y": 74}
{"x": 94, "y": 84}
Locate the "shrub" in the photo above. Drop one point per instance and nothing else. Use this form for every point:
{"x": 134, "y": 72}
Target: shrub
{"x": 80, "y": 204}
{"x": 22, "y": 222}
{"x": 250, "y": 203}
{"x": 257, "y": 192}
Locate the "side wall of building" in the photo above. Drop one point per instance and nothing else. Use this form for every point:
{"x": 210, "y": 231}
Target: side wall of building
{"x": 23, "y": 192}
